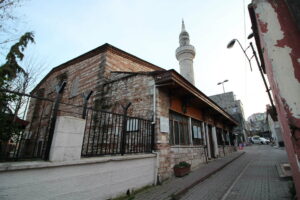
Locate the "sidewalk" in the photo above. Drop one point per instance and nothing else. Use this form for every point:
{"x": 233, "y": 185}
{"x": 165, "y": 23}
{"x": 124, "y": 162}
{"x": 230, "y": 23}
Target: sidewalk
{"x": 178, "y": 186}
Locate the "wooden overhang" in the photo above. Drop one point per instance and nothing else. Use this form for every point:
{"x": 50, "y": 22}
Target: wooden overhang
{"x": 173, "y": 81}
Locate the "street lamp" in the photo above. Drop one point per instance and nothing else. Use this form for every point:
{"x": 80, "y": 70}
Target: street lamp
{"x": 232, "y": 42}
{"x": 223, "y": 84}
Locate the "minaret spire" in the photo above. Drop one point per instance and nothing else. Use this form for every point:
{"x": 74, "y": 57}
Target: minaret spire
{"x": 182, "y": 26}
{"x": 185, "y": 54}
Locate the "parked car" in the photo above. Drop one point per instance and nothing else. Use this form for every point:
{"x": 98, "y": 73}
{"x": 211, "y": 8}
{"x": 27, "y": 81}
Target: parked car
{"x": 264, "y": 140}
{"x": 259, "y": 140}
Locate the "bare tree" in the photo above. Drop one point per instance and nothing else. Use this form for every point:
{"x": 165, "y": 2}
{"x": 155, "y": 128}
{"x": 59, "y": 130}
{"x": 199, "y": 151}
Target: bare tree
{"x": 8, "y": 21}
{"x": 6, "y": 12}
{"x": 24, "y": 83}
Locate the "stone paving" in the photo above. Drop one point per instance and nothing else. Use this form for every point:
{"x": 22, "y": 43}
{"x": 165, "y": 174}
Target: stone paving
{"x": 253, "y": 176}
{"x": 261, "y": 179}
{"x": 249, "y": 176}
{"x": 175, "y": 186}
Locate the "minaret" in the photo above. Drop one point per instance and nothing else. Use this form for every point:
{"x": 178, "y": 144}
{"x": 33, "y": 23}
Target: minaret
{"x": 185, "y": 54}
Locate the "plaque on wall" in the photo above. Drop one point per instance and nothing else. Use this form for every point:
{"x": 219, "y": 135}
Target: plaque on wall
{"x": 164, "y": 124}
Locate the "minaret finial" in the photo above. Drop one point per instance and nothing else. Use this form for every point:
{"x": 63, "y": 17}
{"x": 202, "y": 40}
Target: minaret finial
{"x": 183, "y": 26}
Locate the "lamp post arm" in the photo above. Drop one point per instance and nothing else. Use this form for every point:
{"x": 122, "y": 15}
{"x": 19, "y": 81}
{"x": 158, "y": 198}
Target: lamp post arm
{"x": 244, "y": 50}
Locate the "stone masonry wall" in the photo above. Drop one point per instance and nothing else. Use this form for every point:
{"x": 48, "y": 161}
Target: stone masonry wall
{"x": 171, "y": 155}
{"x": 137, "y": 89}
{"x": 224, "y": 151}
{"x": 229, "y": 149}
{"x": 91, "y": 74}
{"x": 162, "y": 139}
{"x": 193, "y": 155}
{"x": 116, "y": 62}
{"x": 86, "y": 72}
{"x": 81, "y": 77}
{"x": 84, "y": 75}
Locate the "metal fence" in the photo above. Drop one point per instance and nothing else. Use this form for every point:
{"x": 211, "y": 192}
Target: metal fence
{"x": 29, "y": 137}
{"x": 26, "y": 138}
{"x": 109, "y": 133}
{"x": 105, "y": 133}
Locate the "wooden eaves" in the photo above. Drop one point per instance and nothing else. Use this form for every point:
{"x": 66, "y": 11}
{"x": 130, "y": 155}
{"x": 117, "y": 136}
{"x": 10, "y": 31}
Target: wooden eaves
{"x": 174, "y": 78}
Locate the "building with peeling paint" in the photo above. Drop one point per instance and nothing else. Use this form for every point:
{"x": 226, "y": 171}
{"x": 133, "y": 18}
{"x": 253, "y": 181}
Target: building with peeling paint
{"x": 276, "y": 27}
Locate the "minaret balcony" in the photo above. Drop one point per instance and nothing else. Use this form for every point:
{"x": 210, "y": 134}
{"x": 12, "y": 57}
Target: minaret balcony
{"x": 188, "y": 49}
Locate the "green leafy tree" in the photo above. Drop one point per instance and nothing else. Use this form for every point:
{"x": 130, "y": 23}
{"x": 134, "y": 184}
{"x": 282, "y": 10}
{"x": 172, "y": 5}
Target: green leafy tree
{"x": 10, "y": 68}
{"x": 8, "y": 72}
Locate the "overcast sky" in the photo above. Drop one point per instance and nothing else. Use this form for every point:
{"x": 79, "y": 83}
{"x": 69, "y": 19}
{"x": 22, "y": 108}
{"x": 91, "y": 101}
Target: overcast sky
{"x": 149, "y": 29}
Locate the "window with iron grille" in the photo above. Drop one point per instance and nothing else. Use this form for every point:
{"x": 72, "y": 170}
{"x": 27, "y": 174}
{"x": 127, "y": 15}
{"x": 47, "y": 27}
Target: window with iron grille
{"x": 179, "y": 131}
{"x": 132, "y": 125}
{"x": 197, "y": 132}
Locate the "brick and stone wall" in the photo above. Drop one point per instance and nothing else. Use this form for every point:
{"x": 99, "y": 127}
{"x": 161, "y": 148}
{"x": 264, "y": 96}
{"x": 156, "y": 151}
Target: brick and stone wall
{"x": 195, "y": 155}
{"x": 162, "y": 138}
{"x": 136, "y": 89}
{"x": 86, "y": 73}
{"x": 89, "y": 74}
{"x": 117, "y": 62}
{"x": 170, "y": 155}
{"x": 82, "y": 76}
{"x": 229, "y": 149}
{"x": 224, "y": 151}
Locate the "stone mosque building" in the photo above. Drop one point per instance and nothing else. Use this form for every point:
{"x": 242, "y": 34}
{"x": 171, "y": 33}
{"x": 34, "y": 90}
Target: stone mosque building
{"x": 189, "y": 126}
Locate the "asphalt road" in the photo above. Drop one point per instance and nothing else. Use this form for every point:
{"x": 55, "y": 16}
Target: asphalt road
{"x": 253, "y": 176}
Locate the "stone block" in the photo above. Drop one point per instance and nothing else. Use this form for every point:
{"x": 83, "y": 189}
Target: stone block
{"x": 67, "y": 139}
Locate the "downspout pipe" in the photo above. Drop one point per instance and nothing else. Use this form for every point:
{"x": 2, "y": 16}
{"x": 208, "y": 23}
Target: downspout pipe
{"x": 156, "y": 173}
{"x": 154, "y": 104}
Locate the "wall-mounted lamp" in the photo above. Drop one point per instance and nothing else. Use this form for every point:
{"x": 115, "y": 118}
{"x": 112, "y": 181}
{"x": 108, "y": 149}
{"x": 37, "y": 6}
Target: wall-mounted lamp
{"x": 232, "y": 42}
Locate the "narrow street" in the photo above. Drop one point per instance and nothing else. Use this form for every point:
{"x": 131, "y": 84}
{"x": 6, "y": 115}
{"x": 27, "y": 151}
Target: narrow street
{"x": 252, "y": 176}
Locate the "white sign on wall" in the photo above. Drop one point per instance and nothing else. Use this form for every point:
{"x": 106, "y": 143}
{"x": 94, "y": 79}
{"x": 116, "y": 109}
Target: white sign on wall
{"x": 164, "y": 124}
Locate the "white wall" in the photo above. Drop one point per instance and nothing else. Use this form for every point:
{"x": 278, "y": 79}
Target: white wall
{"x": 67, "y": 139}
{"x": 92, "y": 180}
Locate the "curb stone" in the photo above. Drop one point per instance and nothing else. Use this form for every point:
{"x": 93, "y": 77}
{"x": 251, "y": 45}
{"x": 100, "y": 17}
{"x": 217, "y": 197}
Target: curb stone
{"x": 183, "y": 191}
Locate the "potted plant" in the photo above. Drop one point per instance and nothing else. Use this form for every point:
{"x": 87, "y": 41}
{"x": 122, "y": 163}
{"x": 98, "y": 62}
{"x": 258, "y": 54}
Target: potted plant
{"x": 182, "y": 169}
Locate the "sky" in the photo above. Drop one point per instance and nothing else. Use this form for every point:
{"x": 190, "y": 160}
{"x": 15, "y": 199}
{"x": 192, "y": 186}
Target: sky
{"x": 150, "y": 29}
